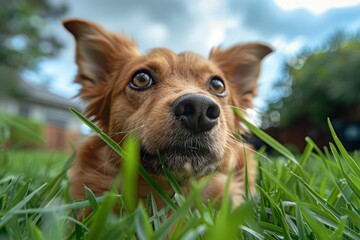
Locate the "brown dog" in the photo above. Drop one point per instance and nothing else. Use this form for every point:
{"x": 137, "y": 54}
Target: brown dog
{"x": 177, "y": 104}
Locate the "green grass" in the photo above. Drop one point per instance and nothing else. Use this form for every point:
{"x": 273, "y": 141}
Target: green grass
{"x": 32, "y": 164}
{"x": 314, "y": 195}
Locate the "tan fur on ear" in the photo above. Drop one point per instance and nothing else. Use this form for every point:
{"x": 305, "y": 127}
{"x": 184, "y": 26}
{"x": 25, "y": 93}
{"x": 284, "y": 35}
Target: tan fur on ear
{"x": 98, "y": 54}
{"x": 241, "y": 66}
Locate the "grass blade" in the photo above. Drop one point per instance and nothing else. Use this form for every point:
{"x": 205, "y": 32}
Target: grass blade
{"x": 65, "y": 207}
{"x": 279, "y": 184}
{"x": 349, "y": 180}
{"x": 20, "y": 194}
{"x": 354, "y": 217}
{"x": 277, "y": 214}
{"x": 179, "y": 213}
{"x": 100, "y": 218}
{"x": 155, "y": 212}
{"x": 18, "y": 206}
{"x": 100, "y": 133}
{"x": 267, "y": 138}
{"x": 350, "y": 161}
{"x": 300, "y": 222}
{"x": 316, "y": 196}
{"x": 113, "y": 145}
{"x": 328, "y": 219}
{"x": 173, "y": 182}
{"x": 143, "y": 228}
{"x": 320, "y": 231}
{"x": 196, "y": 234}
{"x": 129, "y": 172}
{"x": 91, "y": 197}
{"x": 183, "y": 209}
{"x": 253, "y": 233}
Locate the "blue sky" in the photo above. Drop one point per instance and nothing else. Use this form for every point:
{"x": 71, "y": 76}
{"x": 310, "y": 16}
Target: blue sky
{"x": 288, "y": 26}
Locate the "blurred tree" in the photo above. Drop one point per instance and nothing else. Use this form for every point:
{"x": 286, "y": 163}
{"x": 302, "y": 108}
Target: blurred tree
{"x": 319, "y": 84}
{"x": 23, "y": 41}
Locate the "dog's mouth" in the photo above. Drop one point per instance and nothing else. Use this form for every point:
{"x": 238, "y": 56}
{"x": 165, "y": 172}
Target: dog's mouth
{"x": 183, "y": 161}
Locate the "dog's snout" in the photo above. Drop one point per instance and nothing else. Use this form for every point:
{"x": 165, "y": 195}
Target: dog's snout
{"x": 197, "y": 112}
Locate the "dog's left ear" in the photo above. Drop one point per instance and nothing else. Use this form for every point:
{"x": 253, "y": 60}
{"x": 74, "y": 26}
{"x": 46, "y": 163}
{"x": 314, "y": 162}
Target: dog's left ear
{"x": 241, "y": 67}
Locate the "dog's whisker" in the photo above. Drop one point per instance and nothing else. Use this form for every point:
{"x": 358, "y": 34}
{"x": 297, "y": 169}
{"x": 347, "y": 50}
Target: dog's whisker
{"x": 127, "y": 132}
{"x": 245, "y": 109}
{"x": 136, "y": 132}
{"x": 237, "y": 107}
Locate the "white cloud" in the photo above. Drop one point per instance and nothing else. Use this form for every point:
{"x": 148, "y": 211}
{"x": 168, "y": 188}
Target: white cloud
{"x": 209, "y": 5}
{"x": 217, "y": 32}
{"x": 315, "y": 6}
{"x": 200, "y": 25}
{"x": 288, "y": 46}
{"x": 158, "y": 33}
{"x": 62, "y": 74}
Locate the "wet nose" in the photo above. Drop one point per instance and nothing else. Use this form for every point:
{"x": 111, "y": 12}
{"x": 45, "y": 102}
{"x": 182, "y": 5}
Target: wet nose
{"x": 197, "y": 112}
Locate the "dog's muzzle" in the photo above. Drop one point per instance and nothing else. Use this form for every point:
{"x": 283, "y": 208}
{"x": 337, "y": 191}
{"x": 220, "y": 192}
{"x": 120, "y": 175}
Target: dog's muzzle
{"x": 197, "y": 112}
{"x": 192, "y": 149}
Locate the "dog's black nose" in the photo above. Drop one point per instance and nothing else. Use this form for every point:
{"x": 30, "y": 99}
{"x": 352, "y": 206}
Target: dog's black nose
{"x": 197, "y": 112}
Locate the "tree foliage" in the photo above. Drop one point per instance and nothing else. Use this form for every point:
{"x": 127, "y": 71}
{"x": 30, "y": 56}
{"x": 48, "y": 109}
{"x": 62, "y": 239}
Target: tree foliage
{"x": 320, "y": 84}
{"x": 23, "y": 38}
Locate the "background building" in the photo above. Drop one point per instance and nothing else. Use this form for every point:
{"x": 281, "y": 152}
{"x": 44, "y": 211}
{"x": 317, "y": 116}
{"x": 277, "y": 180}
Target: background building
{"x": 60, "y": 127}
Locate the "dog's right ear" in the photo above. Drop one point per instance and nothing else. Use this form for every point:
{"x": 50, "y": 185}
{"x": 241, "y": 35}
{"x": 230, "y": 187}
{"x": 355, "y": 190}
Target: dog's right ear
{"x": 98, "y": 54}
{"x": 97, "y": 50}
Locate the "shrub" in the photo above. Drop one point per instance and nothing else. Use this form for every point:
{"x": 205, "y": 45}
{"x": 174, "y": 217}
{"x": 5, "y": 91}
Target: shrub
{"x": 21, "y": 132}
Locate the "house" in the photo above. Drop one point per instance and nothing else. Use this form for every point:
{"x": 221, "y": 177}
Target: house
{"x": 37, "y": 103}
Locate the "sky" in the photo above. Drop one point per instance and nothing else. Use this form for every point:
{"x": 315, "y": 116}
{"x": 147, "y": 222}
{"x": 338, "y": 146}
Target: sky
{"x": 199, "y": 25}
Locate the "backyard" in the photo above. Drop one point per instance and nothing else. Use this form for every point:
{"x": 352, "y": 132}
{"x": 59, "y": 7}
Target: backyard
{"x": 307, "y": 115}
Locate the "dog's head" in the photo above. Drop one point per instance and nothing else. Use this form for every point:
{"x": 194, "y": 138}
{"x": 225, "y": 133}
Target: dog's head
{"x": 177, "y": 104}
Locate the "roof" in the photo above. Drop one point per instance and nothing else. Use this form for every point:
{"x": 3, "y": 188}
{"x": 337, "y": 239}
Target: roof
{"x": 41, "y": 95}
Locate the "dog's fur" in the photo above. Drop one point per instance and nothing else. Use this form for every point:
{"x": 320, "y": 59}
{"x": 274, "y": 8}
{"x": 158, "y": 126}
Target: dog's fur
{"x": 107, "y": 65}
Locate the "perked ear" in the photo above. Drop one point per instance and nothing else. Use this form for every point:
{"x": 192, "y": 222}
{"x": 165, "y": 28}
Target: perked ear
{"x": 241, "y": 67}
{"x": 97, "y": 50}
{"x": 98, "y": 54}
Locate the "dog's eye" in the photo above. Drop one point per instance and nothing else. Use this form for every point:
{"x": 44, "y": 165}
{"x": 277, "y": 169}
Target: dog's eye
{"x": 217, "y": 86}
{"x": 141, "y": 81}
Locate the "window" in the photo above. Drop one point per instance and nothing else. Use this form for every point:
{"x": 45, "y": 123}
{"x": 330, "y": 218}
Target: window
{"x": 56, "y": 117}
{"x": 24, "y": 109}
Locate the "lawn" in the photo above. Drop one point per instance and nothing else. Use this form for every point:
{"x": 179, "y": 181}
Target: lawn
{"x": 32, "y": 164}
{"x": 313, "y": 195}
